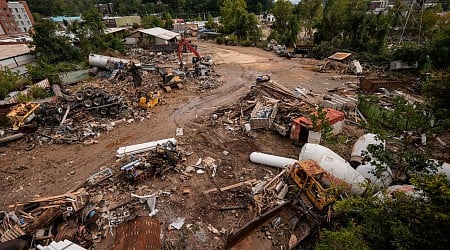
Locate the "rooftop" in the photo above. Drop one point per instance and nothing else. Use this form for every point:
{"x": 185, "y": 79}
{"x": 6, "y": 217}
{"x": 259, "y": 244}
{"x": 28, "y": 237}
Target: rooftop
{"x": 11, "y": 50}
{"x": 160, "y": 33}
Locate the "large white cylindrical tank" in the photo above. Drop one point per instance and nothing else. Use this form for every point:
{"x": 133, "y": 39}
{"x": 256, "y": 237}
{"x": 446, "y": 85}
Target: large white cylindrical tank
{"x": 100, "y": 61}
{"x": 334, "y": 165}
{"x": 361, "y": 145}
{"x": 444, "y": 169}
{"x": 367, "y": 171}
{"x": 271, "y": 160}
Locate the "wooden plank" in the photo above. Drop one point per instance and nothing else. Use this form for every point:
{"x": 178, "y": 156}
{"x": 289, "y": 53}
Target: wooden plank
{"x": 230, "y": 186}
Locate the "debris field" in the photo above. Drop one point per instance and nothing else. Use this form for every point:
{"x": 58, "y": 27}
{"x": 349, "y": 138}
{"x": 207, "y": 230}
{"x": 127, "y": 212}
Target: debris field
{"x": 149, "y": 152}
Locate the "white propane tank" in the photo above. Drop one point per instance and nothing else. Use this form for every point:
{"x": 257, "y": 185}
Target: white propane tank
{"x": 361, "y": 145}
{"x": 334, "y": 165}
{"x": 367, "y": 170}
{"x": 444, "y": 169}
{"x": 271, "y": 160}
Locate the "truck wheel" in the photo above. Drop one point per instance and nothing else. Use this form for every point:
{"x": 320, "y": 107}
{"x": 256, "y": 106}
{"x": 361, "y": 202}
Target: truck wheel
{"x": 97, "y": 101}
{"x": 113, "y": 111}
{"x": 87, "y": 103}
{"x": 180, "y": 86}
{"x": 89, "y": 91}
{"x": 103, "y": 111}
{"x": 79, "y": 96}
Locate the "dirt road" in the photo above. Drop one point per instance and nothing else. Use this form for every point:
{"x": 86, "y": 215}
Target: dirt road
{"x": 52, "y": 169}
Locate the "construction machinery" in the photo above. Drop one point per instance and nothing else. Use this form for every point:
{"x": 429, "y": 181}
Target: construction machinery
{"x": 150, "y": 100}
{"x": 309, "y": 177}
{"x": 201, "y": 64}
{"x": 185, "y": 45}
{"x": 22, "y": 113}
{"x": 171, "y": 78}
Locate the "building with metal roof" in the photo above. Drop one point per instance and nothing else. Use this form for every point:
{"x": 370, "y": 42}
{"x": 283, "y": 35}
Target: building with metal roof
{"x": 153, "y": 36}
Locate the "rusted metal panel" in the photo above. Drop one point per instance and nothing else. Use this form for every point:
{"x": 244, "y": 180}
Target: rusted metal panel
{"x": 311, "y": 167}
{"x": 374, "y": 84}
{"x": 140, "y": 233}
{"x": 339, "y": 56}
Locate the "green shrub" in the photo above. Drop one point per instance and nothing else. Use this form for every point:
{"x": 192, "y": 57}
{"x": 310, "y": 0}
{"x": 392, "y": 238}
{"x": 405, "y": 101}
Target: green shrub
{"x": 220, "y": 40}
{"x": 8, "y": 81}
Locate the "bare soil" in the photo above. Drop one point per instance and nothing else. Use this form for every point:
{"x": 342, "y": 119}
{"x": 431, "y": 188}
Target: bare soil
{"x": 52, "y": 169}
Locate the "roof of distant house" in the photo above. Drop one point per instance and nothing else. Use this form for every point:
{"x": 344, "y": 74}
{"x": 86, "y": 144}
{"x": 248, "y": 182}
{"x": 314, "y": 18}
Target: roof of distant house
{"x": 11, "y": 50}
{"x": 114, "y": 30}
{"x": 160, "y": 33}
{"x": 339, "y": 56}
{"x": 58, "y": 19}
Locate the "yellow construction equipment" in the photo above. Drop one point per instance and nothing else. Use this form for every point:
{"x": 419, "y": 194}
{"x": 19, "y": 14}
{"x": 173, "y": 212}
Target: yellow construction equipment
{"x": 22, "y": 113}
{"x": 309, "y": 176}
{"x": 150, "y": 100}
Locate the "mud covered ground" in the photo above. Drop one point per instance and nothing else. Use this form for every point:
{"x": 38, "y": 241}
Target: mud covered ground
{"x": 52, "y": 169}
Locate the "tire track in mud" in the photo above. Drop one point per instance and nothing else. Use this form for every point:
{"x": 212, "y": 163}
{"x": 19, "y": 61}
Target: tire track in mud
{"x": 232, "y": 88}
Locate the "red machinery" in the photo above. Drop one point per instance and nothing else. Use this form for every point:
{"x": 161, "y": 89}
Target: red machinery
{"x": 185, "y": 43}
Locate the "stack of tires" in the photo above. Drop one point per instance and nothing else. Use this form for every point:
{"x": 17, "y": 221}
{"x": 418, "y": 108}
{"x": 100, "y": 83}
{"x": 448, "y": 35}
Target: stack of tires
{"x": 93, "y": 99}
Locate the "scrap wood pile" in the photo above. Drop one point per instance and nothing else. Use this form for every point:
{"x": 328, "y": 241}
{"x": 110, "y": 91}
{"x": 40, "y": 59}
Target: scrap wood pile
{"x": 88, "y": 213}
{"x": 266, "y": 105}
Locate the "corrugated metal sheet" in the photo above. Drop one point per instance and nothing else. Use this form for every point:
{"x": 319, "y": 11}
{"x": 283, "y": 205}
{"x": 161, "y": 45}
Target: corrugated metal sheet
{"x": 140, "y": 233}
{"x": 63, "y": 245}
{"x": 339, "y": 56}
{"x": 73, "y": 76}
{"x": 160, "y": 33}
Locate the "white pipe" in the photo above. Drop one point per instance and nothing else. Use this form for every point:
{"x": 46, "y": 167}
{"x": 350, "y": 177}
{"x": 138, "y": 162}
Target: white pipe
{"x": 143, "y": 147}
{"x": 334, "y": 165}
{"x": 271, "y": 160}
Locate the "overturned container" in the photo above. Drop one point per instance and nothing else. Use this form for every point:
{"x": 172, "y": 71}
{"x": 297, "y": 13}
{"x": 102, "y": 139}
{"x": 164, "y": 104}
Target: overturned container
{"x": 335, "y": 165}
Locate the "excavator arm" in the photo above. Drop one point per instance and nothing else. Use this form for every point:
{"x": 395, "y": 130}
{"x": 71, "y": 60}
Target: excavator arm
{"x": 184, "y": 42}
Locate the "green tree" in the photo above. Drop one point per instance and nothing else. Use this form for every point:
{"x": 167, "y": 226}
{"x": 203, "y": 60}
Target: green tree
{"x": 168, "y": 21}
{"x": 236, "y": 20}
{"x": 152, "y": 21}
{"x": 309, "y": 12}
{"x": 440, "y": 45}
{"x": 437, "y": 90}
{"x": 210, "y": 24}
{"x": 51, "y": 47}
{"x": 399, "y": 222}
{"x": 286, "y": 23}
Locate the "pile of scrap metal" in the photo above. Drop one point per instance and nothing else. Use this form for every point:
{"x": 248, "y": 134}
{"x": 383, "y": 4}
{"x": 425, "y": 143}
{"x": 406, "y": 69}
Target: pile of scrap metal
{"x": 88, "y": 214}
{"x": 55, "y": 218}
{"x": 340, "y": 62}
{"x": 149, "y": 159}
{"x": 71, "y": 119}
{"x": 199, "y": 73}
{"x": 302, "y": 211}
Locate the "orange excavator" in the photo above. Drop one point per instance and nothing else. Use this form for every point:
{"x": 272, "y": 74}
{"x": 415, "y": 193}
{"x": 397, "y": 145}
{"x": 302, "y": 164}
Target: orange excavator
{"x": 184, "y": 43}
